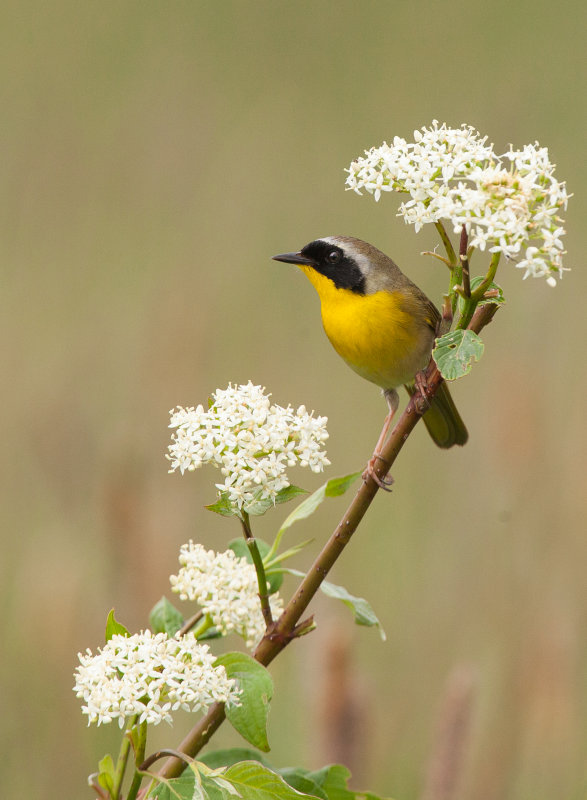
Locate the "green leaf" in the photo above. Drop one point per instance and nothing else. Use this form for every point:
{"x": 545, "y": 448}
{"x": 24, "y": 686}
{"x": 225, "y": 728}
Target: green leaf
{"x": 256, "y": 684}
{"x": 253, "y": 781}
{"x": 289, "y": 553}
{"x": 362, "y": 611}
{"x": 274, "y": 581}
{"x": 232, "y": 755}
{"x": 165, "y": 618}
{"x": 114, "y": 627}
{"x": 241, "y": 549}
{"x": 260, "y": 505}
{"x": 107, "y": 773}
{"x": 361, "y": 608}
{"x": 210, "y": 633}
{"x": 189, "y": 786}
{"x": 499, "y": 299}
{"x": 337, "y": 486}
{"x": 333, "y": 488}
{"x": 182, "y": 788}
{"x": 215, "y": 788}
{"x": 455, "y": 353}
{"x": 247, "y": 780}
{"x": 223, "y": 506}
{"x": 299, "y": 779}
{"x": 288, "y": 493}
{"x": 333, "y": 781}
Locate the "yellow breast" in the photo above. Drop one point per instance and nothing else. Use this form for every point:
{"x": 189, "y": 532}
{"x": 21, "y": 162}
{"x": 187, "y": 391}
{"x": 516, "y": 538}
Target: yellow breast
{"x": 373, "y": 333}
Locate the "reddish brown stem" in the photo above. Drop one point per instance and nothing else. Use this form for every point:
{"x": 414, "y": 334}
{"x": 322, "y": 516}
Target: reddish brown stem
{"x": 465, "y": 262}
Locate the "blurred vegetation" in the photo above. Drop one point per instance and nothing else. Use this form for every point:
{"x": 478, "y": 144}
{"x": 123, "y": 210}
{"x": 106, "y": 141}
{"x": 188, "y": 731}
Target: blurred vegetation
{"x": 155, "y": 155}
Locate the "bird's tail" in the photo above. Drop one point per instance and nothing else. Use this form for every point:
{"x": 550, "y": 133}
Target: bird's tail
{"x": 442, "y": 419}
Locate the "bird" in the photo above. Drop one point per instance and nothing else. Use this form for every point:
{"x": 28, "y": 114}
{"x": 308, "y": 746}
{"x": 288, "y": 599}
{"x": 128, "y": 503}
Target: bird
{"x": 381, "y": 324}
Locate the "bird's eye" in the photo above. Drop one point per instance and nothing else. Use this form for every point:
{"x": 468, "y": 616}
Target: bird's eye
{"x": 333, "y": 256}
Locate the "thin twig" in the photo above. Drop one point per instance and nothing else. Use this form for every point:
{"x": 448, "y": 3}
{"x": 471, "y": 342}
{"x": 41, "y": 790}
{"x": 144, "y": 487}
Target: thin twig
{"x": 259, "y": 569}
{"x": 122, "y": 760}
{"x": 479, "y": 292}
{"x": 463, "y": 255}
{"x": 139, "y": 745}
{"x": 471, "y": 303}
{"x": 93, "y": 783}
{"x": 189, "y": 623}
{"x": 195, "y": 740}
{"x": 436, "y": 255}
{"x": 452, "y": 256}
{"x": 165, "y": 751}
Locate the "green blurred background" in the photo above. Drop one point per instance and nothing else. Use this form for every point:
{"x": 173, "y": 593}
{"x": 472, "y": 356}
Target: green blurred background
{"x": 154, "y": 157}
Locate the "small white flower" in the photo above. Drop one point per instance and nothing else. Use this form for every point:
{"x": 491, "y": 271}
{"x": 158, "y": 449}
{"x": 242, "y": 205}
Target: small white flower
{"x": 225, "y": 587}
{"x": 150, "y": 675}
{"x": 453, "y": 174}
{"x": 251, "y": 441}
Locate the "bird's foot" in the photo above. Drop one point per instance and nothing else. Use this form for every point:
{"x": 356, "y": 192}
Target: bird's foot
{"x": 384, "y": 482}
{"x": 421, "y": 400}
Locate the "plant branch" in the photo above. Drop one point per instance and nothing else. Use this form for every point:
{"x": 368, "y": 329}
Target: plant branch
{"x": 436, "y": 255}
{"x": 454, "y": 262}
{"x": 123, "y": 758}
{"x": 189, "y": 623}
{"x": 259, "y": 569}
{"x": 479, "y": 292}
{"x": 463, "y": 255}
{"x": 199, "y": 736}
{"x": 139, "y": 745}
{"x": 165, "y": 751}
{"x": 450, "y": 252}
{"x": 282, "y": 631}
{"x": 471, "y": 303}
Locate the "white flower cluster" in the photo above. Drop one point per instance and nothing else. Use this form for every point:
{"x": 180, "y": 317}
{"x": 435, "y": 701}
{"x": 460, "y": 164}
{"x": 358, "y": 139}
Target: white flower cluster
{"x": 250, "y": 440}
{"x": 150, "y": 675}
{"x": 225, "y": 587}
{"x": 453, "y": 174}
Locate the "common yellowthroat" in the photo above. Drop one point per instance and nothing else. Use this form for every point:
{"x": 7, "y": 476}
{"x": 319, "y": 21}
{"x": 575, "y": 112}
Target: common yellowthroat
{"x": 379, "y": 322}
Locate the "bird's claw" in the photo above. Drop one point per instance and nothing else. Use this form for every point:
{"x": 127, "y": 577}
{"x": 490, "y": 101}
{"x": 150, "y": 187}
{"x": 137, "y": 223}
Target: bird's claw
{"x": 422, "y": 402}
{"x": 384, "y": 483}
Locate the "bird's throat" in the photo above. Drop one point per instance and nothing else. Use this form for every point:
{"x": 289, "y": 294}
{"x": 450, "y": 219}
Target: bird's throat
{"x": 373, "y": 333}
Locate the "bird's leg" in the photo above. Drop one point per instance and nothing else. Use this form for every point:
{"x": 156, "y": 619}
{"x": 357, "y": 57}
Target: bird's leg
{"x": 392, "y": 398}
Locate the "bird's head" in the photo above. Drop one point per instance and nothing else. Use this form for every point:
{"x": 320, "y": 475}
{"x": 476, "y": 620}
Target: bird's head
{"x": 348, "y": 262}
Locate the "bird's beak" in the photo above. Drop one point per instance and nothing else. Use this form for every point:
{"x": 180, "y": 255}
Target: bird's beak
{"x": 295, "y": 258}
